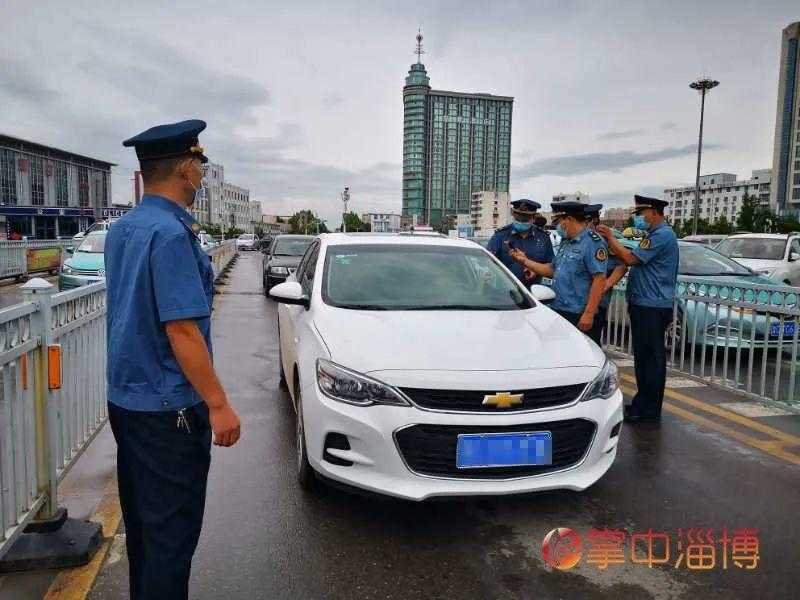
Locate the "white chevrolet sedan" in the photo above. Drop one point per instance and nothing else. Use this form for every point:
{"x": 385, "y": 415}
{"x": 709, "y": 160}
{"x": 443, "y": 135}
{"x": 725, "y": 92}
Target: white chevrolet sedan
{"x": 419, "y": 366}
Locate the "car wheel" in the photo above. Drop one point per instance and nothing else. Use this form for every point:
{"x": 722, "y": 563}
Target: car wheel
{"x": 305, "y": 473}
{"x": 675, "y": 332}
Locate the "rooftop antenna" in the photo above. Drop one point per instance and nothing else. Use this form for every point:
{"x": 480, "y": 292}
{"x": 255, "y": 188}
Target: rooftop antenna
{"x": 419, "y": 51}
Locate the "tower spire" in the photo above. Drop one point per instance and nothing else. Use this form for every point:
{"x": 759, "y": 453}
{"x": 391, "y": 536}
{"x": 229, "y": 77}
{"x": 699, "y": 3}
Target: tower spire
{"x": 419, "y": 51}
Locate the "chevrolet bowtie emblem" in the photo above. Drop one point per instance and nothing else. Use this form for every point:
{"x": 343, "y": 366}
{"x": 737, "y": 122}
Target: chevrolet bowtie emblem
{"x": 503, "y": 400}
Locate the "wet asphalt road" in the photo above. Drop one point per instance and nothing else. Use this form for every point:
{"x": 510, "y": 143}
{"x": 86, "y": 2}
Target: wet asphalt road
{"x": 264, "y": 538}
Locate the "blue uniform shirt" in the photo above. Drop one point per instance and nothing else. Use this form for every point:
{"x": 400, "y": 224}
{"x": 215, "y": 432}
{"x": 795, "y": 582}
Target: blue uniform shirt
{"x": 537, "y": 247}
{"x": 578, "y": 260}
{"x": 652, "y": 283}
{"x": 156, "y": 272}
{"x": 612, "y": 263}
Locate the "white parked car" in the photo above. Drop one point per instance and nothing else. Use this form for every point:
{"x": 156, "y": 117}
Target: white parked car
{"x": 772, "y": 254}
{"x": 246, "y": 241}
{"x": 419, "y": 366}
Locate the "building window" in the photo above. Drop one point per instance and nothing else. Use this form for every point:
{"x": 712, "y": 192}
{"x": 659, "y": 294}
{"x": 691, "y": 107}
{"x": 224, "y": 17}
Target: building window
{"x": 62, "y": 189}
{"x": 37, "y": 181}
{"x": 83, "y": 187}
{"x": 8, "y": 177}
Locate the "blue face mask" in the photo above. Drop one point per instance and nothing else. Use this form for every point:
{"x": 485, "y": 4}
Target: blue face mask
{"x": 640, "y": 223}
{"x": 521, "y": 227}
{"x": 560, "y": 231}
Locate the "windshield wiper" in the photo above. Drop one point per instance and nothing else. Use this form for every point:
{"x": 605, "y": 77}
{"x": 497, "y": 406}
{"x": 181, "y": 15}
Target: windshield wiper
{"x": 749, "y": 274}
{"x": 362, "y": 306}
{"x": 454, "y": 307}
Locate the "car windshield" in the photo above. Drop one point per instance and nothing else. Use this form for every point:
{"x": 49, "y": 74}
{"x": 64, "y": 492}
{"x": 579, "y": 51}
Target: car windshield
{"x": 247, "y": 237}
{"x": 93, "y": 244}
{"x": 755, "y": 247}
{"x": 291, "y": 247}
{"x": 697, "y": 259}
{"x": 416, "y": 277}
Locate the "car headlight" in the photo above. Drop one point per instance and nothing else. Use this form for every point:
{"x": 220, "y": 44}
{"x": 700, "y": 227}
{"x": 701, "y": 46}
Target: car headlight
{"x": 604, "y": 385}
{"x": 345, "y": 385}
{"x": 279, "y": 270}
{"x": 66, "y": 269}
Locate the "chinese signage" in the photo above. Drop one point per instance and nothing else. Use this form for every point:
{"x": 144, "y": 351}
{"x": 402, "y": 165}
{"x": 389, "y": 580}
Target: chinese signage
{"x": 694, "y": 549}
{"x": 468, "y": 120}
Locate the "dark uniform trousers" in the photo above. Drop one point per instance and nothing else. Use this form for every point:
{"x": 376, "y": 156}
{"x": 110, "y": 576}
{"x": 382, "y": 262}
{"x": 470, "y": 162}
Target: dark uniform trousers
{"x": 648, "y": 327}
{"x": 597, "y": 326}
{"x": 162, "y": 471}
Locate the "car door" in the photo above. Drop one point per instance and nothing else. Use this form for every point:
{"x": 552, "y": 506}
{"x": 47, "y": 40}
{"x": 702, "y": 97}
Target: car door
{"x": 293, "y": 320}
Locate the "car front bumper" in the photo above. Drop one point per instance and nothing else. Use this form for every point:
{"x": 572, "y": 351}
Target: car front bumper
{"x": 378, "y": 464}
{"x": 68, "y": 282}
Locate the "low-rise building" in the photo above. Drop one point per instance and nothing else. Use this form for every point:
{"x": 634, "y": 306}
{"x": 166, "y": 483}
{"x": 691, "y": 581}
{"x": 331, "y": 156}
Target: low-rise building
{"x": 721, "y": 194}
{"x": 489, "y": 212}
{"x": 225, "y": 204}
{"x": 616, "y": 217}
{"x": 48, "y": 192}
{"x": 578, "y": 196}
{"x": 382, "y": 222}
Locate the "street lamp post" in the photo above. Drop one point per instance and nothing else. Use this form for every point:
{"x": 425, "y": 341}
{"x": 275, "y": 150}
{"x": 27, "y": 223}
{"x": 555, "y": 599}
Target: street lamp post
{"x": 702, "y": 85}
{"x": 345, "y": 199}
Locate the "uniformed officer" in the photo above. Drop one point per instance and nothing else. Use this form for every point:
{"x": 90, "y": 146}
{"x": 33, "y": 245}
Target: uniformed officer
{"x": 164, "y": 398}
{"x": 650, "y": 294}
{"x": 522, "y": 235}
{"x": 615, "y": 268}
{"x": 579, "y": 268}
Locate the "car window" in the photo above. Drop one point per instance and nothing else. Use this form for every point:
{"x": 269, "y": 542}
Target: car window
{"x": 301, "y": 268}
{"x": 699, "y": 260}
{"x": 94, "y": 243}
{"x": 416, "y": 277}
{"x": 291, "y": 247}
{"x": 307, "y": 278}
{"x": 795, "y": 246}
{"x": 753, "y": 247}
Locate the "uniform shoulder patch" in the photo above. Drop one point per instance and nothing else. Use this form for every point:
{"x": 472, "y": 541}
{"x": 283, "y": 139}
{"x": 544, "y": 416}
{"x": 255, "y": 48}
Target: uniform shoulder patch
{"x": 601, "y": 254}
{"x": 645, "y": 244}
{"x": 595, "y": 236}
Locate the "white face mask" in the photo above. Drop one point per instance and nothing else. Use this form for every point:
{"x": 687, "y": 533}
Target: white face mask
{"x": 198, "y": 192}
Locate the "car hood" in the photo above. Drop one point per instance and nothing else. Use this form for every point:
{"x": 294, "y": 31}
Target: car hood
{"x": 89, "y": 261}
{"x": 532, "y": 339}
{"x": 739, "y": 280}
{"x": 758, "y": 263}
{"x": 285, "y": 261}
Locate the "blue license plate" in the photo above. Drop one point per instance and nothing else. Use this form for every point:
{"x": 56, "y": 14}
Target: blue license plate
{"x": 476, "y": 450}
{"x": 788, "y": 330}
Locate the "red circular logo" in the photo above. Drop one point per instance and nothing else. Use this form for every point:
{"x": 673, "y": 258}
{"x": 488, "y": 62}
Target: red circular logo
{"x": 562, "y": 548}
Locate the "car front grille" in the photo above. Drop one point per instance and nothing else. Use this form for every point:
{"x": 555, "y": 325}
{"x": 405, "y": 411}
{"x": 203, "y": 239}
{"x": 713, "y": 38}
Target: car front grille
{"x": 86, "y": 272}
{"x": 472, "y": 401}
{"x": 431, "y": 449}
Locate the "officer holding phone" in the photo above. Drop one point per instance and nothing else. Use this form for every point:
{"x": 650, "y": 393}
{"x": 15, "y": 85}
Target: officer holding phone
{"x": 523, "y": 235}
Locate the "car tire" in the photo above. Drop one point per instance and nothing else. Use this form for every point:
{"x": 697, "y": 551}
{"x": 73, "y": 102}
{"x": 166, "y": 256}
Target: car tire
{"x": 305, "y": 473}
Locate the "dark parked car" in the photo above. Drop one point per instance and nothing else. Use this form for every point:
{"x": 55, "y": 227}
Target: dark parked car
{"x": 283, "y": 257}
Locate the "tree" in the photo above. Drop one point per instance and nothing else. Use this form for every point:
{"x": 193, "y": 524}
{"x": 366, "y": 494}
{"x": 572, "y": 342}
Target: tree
{"x": 305, "y": 222}
{"x": 747, "y": 214}
{"x": 352, "y": 222}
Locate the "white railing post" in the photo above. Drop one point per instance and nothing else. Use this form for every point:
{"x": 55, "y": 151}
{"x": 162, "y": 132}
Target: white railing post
{"x": 40, "y": 292}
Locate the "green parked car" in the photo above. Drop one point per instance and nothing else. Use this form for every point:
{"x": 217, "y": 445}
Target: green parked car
{"x": 87, "y": 263}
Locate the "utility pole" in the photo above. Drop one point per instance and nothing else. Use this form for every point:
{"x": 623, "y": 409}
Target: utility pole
{"x": 702, "y": 85}
{"x": 345, "y": 199}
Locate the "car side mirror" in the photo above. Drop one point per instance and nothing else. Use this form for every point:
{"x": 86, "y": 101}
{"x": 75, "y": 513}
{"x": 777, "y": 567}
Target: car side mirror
{"x": 542, "y": 293}
{"x": 290, "y": 292}
{"x": 69, "y": 249}
{"x": 794, "y": 256}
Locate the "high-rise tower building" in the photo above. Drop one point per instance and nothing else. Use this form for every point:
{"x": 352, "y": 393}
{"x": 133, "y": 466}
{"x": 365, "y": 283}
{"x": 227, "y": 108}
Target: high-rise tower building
{"x": 454, "y": 145}
{"x": 785, "y": 191}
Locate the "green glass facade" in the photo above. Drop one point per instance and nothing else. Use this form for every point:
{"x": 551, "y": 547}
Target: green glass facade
{"x": 454, "y": 144}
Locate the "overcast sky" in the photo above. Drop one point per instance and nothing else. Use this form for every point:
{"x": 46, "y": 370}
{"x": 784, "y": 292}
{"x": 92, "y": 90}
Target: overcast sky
{"x": 304, "y": 98}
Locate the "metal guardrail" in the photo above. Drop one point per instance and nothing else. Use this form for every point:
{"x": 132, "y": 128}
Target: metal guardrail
{"x": 45, "y": 428}
{"x": 14, "y": 255}
{"x": 736, "y": 336}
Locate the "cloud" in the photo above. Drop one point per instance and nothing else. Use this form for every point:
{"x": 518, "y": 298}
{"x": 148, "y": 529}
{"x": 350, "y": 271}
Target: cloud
{"x": 332, "y": 100}
{"x": 618, "y": 135}
{"x": 581, "y": 164}
{"x": 19, "y": 82}
{"x": 668, "y": 126}
{"x": 624, "y": 198}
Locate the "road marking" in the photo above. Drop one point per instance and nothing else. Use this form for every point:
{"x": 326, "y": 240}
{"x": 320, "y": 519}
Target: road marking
{"x": 725, "y": 414}
{"x": 75, "y": 584}
{"x": 771, "y": 447}
{"x": 755, "y": 410}
{"x": 683, "y": 382}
